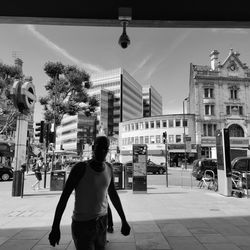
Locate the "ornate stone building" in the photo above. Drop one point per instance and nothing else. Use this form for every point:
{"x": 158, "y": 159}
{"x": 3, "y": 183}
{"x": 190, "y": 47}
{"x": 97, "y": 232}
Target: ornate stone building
{"x": 219, "y": 96}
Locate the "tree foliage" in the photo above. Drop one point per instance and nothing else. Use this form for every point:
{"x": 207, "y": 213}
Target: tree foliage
{"x": 66, "y": 92}
{"x": 8, "y": 113}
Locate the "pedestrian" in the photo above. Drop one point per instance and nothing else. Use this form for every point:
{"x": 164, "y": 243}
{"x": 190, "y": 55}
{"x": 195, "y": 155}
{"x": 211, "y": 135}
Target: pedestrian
{"x": 92, "y": 180}
{"x": 38, "y": 174}
{"x": 50, "y": 166}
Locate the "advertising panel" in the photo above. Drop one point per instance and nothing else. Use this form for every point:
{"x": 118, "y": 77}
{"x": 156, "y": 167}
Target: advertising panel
{"x": 139, "y": 168}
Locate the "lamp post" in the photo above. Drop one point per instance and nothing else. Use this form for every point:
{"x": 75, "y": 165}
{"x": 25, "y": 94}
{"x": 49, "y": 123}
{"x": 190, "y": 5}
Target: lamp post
{"x": 184, "y": 134}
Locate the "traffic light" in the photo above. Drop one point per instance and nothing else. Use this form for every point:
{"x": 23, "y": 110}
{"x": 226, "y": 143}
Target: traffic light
{"x": 40, "y": 129}
{"x": 49, "y": 136}
{"x": 164, "y": 136}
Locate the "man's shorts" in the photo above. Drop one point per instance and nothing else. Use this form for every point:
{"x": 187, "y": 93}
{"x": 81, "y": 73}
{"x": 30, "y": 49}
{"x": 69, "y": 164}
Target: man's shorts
{"x": 90, "y": 235}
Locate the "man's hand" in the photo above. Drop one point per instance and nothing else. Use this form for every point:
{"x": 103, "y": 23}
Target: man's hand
{"x": 125, "y": 230}
{"x": 54, "y": 237}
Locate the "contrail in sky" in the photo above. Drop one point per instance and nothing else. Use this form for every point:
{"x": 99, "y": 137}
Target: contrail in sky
{"x": 62, "y": 51}
{"x": 169, "y": 51}
{"x": 142, "y": 63}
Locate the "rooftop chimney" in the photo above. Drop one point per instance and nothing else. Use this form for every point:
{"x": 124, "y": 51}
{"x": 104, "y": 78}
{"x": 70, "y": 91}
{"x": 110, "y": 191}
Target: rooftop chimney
{"x": 214, "y": 59}
{"x": 19, "y": 63}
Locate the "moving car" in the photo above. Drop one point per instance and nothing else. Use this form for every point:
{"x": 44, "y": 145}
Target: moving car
{"x": 201, "y": 165}
{"x": 6, "y": 173}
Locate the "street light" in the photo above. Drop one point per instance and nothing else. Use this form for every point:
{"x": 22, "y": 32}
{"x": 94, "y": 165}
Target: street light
{"x": 184, "y": 134}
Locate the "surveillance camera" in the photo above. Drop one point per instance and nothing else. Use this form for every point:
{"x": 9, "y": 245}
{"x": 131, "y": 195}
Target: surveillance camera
{"x": 124, "y": 40}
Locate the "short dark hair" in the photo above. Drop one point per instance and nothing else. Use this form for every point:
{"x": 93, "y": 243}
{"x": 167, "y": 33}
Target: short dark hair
{"x": 101, "y": 141}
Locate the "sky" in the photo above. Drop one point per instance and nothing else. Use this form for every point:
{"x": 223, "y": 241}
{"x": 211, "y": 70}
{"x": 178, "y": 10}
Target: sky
{"x": 160, "y": 57}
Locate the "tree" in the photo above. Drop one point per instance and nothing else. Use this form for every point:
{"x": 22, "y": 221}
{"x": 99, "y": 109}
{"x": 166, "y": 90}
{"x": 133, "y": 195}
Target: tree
{"x": 8, "y": 74}
{"x": 66, "y": 92}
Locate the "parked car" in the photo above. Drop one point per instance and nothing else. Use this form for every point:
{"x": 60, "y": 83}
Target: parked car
{"x": 6, "y": 173}
{"x": 241, "y": 166}
{"x": 151, "y": 167}
{"x": 201, "y": 165}
{"x": 155, "y": 168}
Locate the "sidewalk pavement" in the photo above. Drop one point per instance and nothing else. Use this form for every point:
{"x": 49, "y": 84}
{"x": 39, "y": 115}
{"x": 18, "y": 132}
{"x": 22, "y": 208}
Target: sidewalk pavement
{"x": 163, "y": 218}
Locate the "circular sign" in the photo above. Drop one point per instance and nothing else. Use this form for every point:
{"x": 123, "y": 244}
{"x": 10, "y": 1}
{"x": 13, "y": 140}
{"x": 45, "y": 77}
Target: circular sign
{"x": 28, "y": 95}
{"x": 23, "y": 95}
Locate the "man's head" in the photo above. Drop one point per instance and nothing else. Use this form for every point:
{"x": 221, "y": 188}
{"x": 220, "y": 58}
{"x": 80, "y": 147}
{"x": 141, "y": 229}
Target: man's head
{"x": 100, "y": 148}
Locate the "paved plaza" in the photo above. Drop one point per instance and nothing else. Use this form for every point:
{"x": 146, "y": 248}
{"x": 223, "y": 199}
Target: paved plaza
{"x": 173, "y": 218}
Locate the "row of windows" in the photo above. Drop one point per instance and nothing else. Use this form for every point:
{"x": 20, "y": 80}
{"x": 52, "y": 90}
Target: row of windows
{"x": 155, "y": 124}
{"x": 105, "y": 85}
{"x": 209, "y": 93}
{"x": 152, "y": 139}
{"x": 230, "y": 109}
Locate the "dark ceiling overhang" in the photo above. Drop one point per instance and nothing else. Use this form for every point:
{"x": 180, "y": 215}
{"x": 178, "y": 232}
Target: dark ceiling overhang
{"x": 196, "y": 14}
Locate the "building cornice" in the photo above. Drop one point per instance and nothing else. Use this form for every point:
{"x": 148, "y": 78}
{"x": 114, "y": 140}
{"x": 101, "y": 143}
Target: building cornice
{"x": 223, "y": 78}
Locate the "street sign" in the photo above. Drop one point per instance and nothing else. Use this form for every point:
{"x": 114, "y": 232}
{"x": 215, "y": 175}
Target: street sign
{"x": 23, "y": 95}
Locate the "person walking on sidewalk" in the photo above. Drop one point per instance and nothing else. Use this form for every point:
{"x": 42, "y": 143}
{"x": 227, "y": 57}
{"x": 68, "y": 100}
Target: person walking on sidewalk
{"x": 38, "y": 174}
{"x": 92, "y": 180}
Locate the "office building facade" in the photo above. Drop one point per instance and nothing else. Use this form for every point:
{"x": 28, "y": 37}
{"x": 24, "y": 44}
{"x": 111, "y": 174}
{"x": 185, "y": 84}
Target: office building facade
{"x": 152, "y": 101}
{"x": 120, "y": 97}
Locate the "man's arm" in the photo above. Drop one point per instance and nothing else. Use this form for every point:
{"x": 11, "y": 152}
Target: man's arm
{"x": 71, "y": 183}
{"x": 113, "y": 195}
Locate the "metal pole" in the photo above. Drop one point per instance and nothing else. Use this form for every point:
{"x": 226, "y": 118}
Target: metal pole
{"x": 166, "y": 160}
{"x": 184, "y": 136}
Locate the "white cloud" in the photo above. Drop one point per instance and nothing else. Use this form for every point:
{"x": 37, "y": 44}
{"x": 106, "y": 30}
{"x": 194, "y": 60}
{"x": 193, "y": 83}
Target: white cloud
{"x": 63, "y": 52}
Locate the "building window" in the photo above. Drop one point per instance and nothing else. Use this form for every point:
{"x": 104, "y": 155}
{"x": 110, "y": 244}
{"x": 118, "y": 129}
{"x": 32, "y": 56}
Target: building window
{"x": 128, "y": 127}
{"x": 132, "y": 140}
{"x": 233, "y": 93}
{"x": 184, "y": 123}
{"x": 164, "y": 124}
{"x": 136, "y": 126}
{"x": 152, "y": 124}
{"x": 234, "y": 110}
{"x": 209, "y": 109}
{"x": 152, "y": 139}
{"x": 136, "y": 140}
{"x": 141, "y": 125}
{"x": 178, "y": 138}
{"x": 158, "y": 124}
{"x": 208, "y": 93}
{"x": 146, "y": 139}
{"x": 236, "y": 131}
{"x": 170, "y": 123}
{"x": 132, "y": 126}
{"x": 146, "y": 125}
{"x": 171, "y": 138}
{"x": 141, "y": 139}
{"x": 177, "y": 123}
{"x": 209, "y": 129}
{"x": 240, "y": 110}
{"x": 158, "y": 138}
